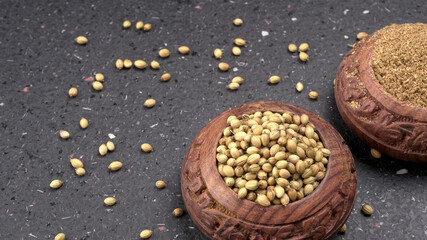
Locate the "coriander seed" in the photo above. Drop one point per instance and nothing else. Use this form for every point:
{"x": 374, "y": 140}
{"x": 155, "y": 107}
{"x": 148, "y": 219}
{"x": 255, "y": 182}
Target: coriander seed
{"x": 84, "y": 123}
{"x": 60, "y": 236}
{"x": 218, "y": 53}
{"x": 139, "y": 25}
{"x": 115, "y": 166}
{"x": 303, "y": 47}
{"x": 223, "y": 66}
{"x": 362, "y": 35}
{"x": 160, "y": 184}
{"x": 149, "y": 103}
{"x": 110, "y": 146}
{"x": 313, "y": 95}
{"x": 303, "y": 57}
{"x": 155, "y": 65}
{"x": 233, "y": 86}
{"x": 238, "y": 80}
{"x": 239, "y": 42}
{"x": 99, "y": 77}
{"x": 237, "y": 22}
{"x": 119, "y": 64}
{"x": 274, "y": 79}
{"x": 147, "y": 27}
{"x": 126, "y": 24}
{"x": 343, "y": 229}
{"x": 64, "y": 134}
{"x": 164, "y": 53}
{"x": 146, "y": 147}
{"x": 76, "y": 163}
{"x": 103, "y": 150}
{"x": 375, "y": 153}
{"x": 145, "y": 234}
{"x": 72, "y": 92}
{"x": 165, "y": 77}
{"x": 97, "y": 86}
{"x": 80, "y": 171}
{"x": 299, "y": 87}
{"x": 367, "y": 210}
{"x": 292, "y": 48}
{"x": 110, "y": 201}
{"x": 127, "y": 63}
{"x": 82, "y": 40}
{"x": 184, "y": 50}
{"x": 55, "y": 184}
{"x": 177, "y": 212}
{"x": 140, "y": 64}
{"x": 236, "y": 51}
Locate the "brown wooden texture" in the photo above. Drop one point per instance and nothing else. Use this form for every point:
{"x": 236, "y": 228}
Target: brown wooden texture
{"x": 391, "y": 126}
{"x": 219, "y": 214}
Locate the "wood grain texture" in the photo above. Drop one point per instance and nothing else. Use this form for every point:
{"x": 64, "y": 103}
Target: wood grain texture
{"x": 391, "y": 126}
{"x": 219, "y": 214}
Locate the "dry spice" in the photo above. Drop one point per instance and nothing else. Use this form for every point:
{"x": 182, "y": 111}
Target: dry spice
{"x": 292, "y": 48}
{"x": 84, "y": 123}
{"x": 236, "y": 51}
{"x": 237, "y": 22}
{"x": 60, "y": 236}
{"x": 127, "y": 24}
{"x": 146, "y": 147}
{"x": 127, "y": 63}
{"x": 367, "y": 210}
{"x": 80, "y": 171}
{"x": 274, "y": 79}
{"x": 223, "y": 66}
{"x": 303, "y": 57}
{"x": 233, "y": 86}
{"x": 110, "y": 201}
{"x": 64, "y": 134}
{"x": 110, "y": 146}
{"x": 303, "y": 47}
{"x": 218, "y": 53}
{"x": 145, "y": 234}
{"x": 362, "y": 35}
{"x": 343, "y": 229}
{"x": 149, "y": 103}
{"x": 239, "y": 42}
{"x": 160, "y": 184}
{"x": 139, "y": 25}
{"x": 399, "y": 61}
{"x": 238, "y": 80}
{"x": 313, "y": 95}
{"x": 164, "y": 53}
{"x": 184, "y": 50}
{"x": 375, "y": 153}
{"x": 115, "y": 166}
{"x": 103, "y": 150}
{"x": 147, "y": 27}
{"x": 119, "y": 64}
{"x": 299, "y": 87}
{"x": 99, "y": 77}
{"x": 76, "y": 163}
{"x": 140, "y": 64}
{"x": 177, "y": 212}
{"x": 72, "y": 92}
{"x": 165, "y": 77}
{"x": 97, "y": 86}
{"x": 271, "y": 158}
{"x": 82, "y": 40}
{"x": 55, "y": 184}
{"x": 155, "y": 65}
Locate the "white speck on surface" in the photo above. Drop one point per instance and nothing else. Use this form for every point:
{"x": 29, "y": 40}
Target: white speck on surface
{"x": 346, "y": 11}
{"x": 190, "y": 227}
{"x": 388, "y": 10}
{"x": 154, "y": 125}
{"x": 345, "y": 37}
{"x": 1, "y": 104}
{"x": 264, "y": 33}
{"x": 111, "y": 136}
{"x": 402, "y": 171}
{"x": 31, "y": 235}
{"x": 365, "y": 12}
{"x": 294, "y": 19}
{"x": 86, "y": 108}
{"x": 235, "y": 69}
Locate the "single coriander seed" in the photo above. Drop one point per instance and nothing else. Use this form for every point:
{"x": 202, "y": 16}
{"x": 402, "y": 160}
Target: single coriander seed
{"x": 223, "y": 66}
{"x": 80, "y": 171}
{"x": 82, "y": 40}
{"x": 149, "y": 103}
{"x": 313, "y": 95}
{"x": 367, "y": 210}
{"x": 218, "y": 53}
{"x": 236, "y": 51}
{"x": 165, "y": 77}
{"x": 97, "y": 86}
{"x": 119, "y": 64}
{"x": 110, "y": 146}
{"x": 115, "y": 166}
{"x": 164, "y": 53}
{"x": 60, "y": 236}
{"x": 110, "y": 201}
{"x": 237, "y": 22}
{"x": 55, "y": 184}
{"x": 343, "y": 229}
{"x": 140, "y": 64}
{"x": 145, "y": 234}
{"x": 84, "y": 123}
{"x": 299, "y": 87}
{"x": 99, "y": 77}
{"x": 184, "y": 50}
{"x": 127, "y": 63}
{"x": 139, "y": 25}
{"x": 160, "y": 184}
{"x": 147, "y": 27}
{"x": 274, "y": 79}
{"x": 64, "y": 134}
{"x": 127, "y": 24}
{"x": 292, "y": 48}
{"x": 155, "y": 65}
{"x": 72, "y": 92}
{"x": 145, "y": 147}
{"x": 76, "y": 163}
{"x": 303, "y": 47}
{"x": 238, "y": 80}
{"x": 362, "y": 35}
{"x": 103, "y": 150}
{"x": 375, "y": 153}
{"x": 239, "y": 42}
{"x": 177, "y": 212}
{"x": 303, "y": 57}
{"x": 233, "y": 86}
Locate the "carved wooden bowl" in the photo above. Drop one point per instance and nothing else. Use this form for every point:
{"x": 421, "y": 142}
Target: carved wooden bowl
{"x": 219, "y": 214}
{"x": 382, "y": 121}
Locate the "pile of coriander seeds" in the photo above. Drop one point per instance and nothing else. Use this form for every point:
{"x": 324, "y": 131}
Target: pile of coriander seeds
{"x": 271, "y": 158}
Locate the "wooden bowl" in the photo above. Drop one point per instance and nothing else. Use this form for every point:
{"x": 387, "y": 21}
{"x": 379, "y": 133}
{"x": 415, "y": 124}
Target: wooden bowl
{"x": 382, "y": 121}
{"x": 219, "y": 214}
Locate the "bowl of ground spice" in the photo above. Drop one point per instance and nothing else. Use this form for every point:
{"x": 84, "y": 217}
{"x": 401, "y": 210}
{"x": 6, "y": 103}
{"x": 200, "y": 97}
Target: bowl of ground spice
{"x": 268, "y": 170}
{"x": 381, "y": 91}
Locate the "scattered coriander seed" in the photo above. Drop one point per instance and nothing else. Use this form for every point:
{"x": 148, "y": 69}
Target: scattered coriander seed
{"x": 84, "y": 123}
{"x": 223, "y": 66}
{"x": 147, "y": 27}
{"x": 110, "y": 146}
{"x": 236, "y": 51}
{"x": 103, "y": 149}
{"x": 303, "y": 57}
{"x": 343, "y": 229}
{"x": 218, "y": 53}
{"x": 367, "y": 210}
{"x": 361, "y": 35}
{"x": 140, "y": 64}
{"x": 184, "y": 50}
{"x": 160, "y": 184}
{"x": 233, "y": 86}
{"x": 146, "y": 147}
{"x": 99, "y": 77}
{"x": 155, "y": 65}
{"x": 55, "y": 184}
{"x": 119, "y": 64}
{"x": 60, "y": 236}
{"x": 76, "y": 163}
{"x": 115, "y": 166}
{"x": 97, "y": 86}
{"x": 127, "y": 63}
{"x": 303, "y": 47}
{"x": 375, "y": 153}
{"x": 238, "y": 80}
{"x": 149, "y": 103}
{"x": 292, "y": 48}
{"x": 82, "y": 40}
{"x": 127, "y": 24}
{"x": 110, "y": 201}
{"x": 72, "y": 92}
{"x": 239, "y": 42}
{"x": 145, "y": 234}
{"x": 313, "y": 95}
{"x": 274, "y": 79}
{"x": 238, "y": 22}
{"x": 165, "y": 77}
{"x": 299, "y": 86}
{"x": 164, "y": 53}
{"x": 177, "y": 212}
{"x": 139, "y": 25}
{"x": 80, "y": 171}
{"x": 64, "y": 134}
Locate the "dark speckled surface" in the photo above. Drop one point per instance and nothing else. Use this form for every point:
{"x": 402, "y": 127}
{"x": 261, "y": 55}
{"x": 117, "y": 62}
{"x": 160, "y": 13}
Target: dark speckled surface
{"x": 40, "y": 62}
